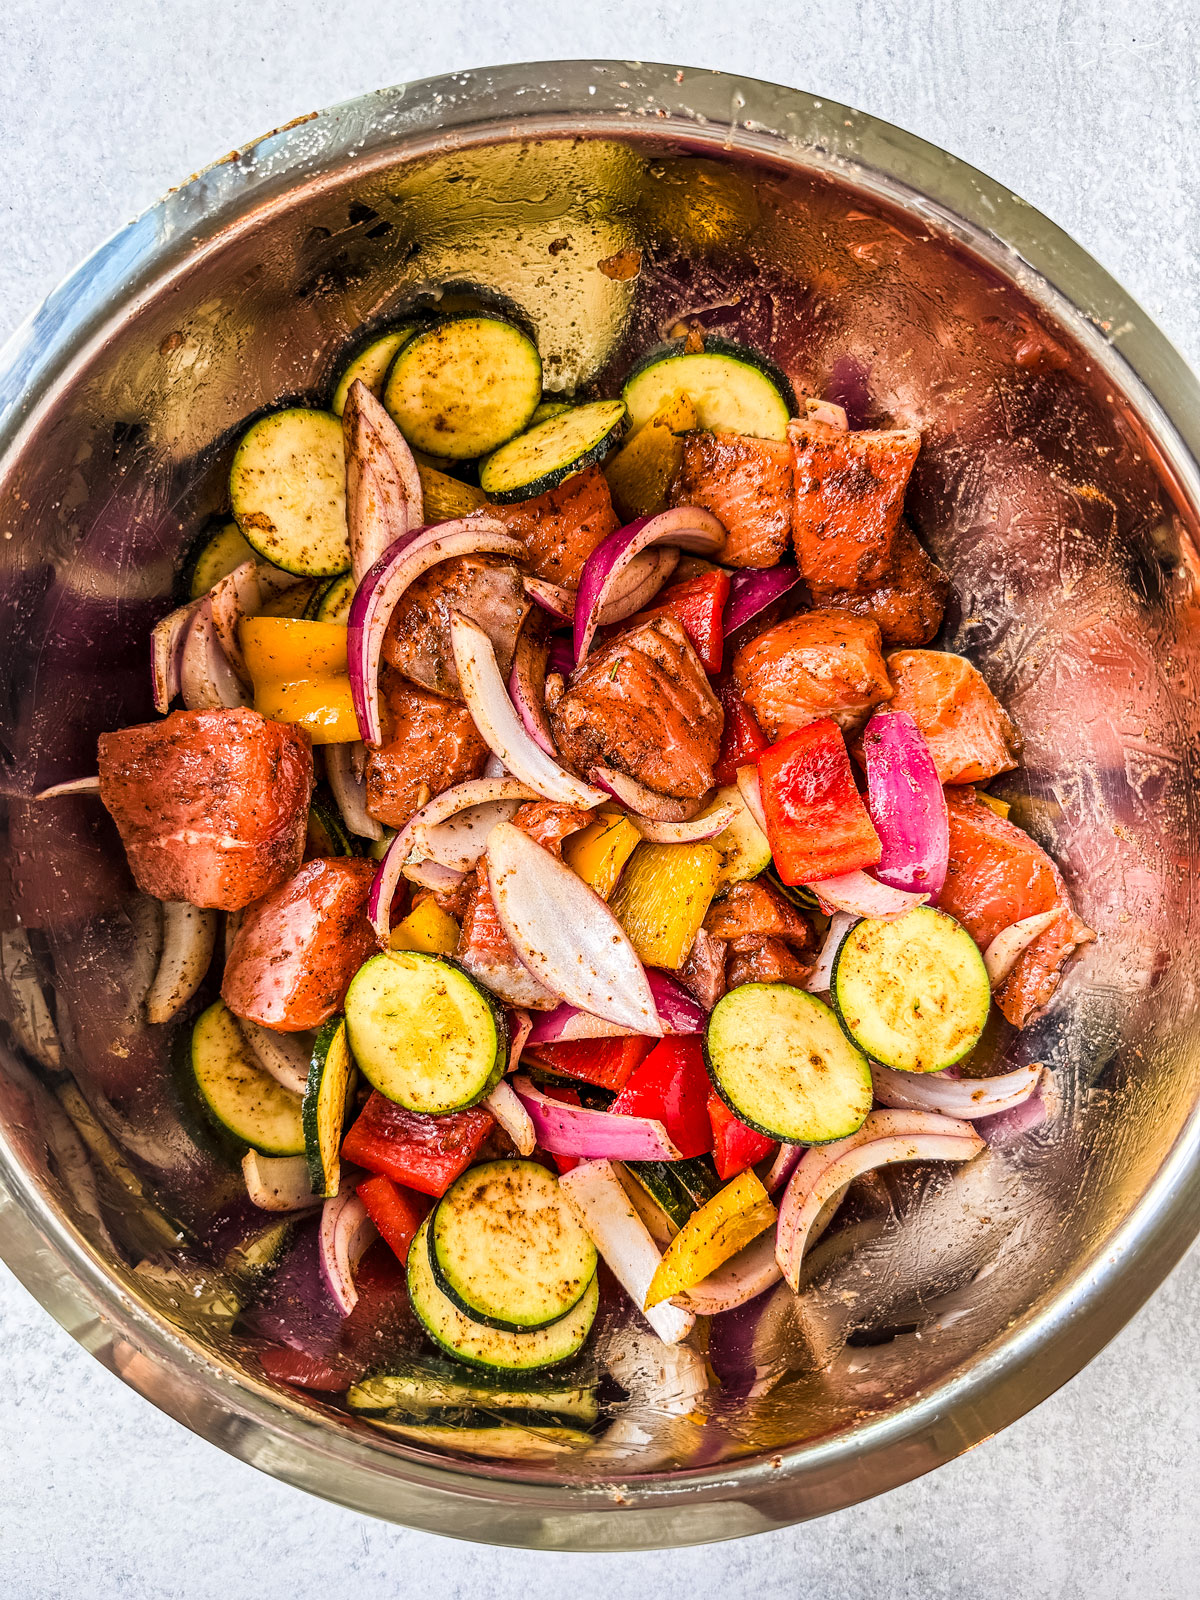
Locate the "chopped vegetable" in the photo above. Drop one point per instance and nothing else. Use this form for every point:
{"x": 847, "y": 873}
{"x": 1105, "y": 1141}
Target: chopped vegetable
{"x": 599, "y": 852}
{"x": 730, "y": 1221}
{"x": 446, "y": 498}
{"x": 605, "y": 1062}
{"x": 742, "y": 740}
{"x": 698, "y": 606}
{"x": 300, "y": 676}
{"x": 425, "y": 1153}
{"x": 744, "y": 848}
{"x": 735, "y": 1145}
{"x": 397, "y": 1212}
{"x": 642, "y": 471}
{"x": 663, "y": 897}
{"x": 427, "y": 928}
{"x": 287, "y": 487}
{"x": 323, "y": 1109}
{"x": 816, "y": 821}
{"x": 671, "y": 1086}
{"x": 563, "y": 1129}
{"x": 906, "y": 803}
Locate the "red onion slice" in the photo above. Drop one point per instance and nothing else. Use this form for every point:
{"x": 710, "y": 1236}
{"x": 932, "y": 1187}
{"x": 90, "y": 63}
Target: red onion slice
{"x": 494, "y": 715}
{"x": 686, "y": 527}
{"x": 346, "y": 1231}
{"x": 382, "y": 588}
{"x": 822, "y": 974}
{"x": 551, "y": 597}
{"x": 59, "y": 791}
{"x": 189, "y": 938}
{"x": 752, "y": 590}
{"x": 166, "y": 653}
{"x": 1006, "y": 949}
{"x": 885, "y": 1137}
{"x": 286, "y": 1056}
{"x": 520, "y": 1026}
{"x": 645, "y": 802}
{"x": 277, "y": 1183}
{"x": 511, "y": 1115}
{"x": 966, "y": 1098}
{"x": 384, "y": 500}
{"x": 632, "y": 589}
{"x": 864, "y": 896}
{"x": 527, "y": 690}
{"x": 735, "y": 1282}
{"x": 784, "y": 1165}
{"x": 566, "y": 1023}
{"x": 206, "y": 679}
{"x": 907, "y": 805}
{"x": 594, "y": 1193}
{"x": 432, "y": 875}
{"x": 677, "y": 1010}
{"x": 565, "y": 934}
{"x": 343, "y": 768}
{"x": 693, "y": 832}
{"x": 564, "y": 1130}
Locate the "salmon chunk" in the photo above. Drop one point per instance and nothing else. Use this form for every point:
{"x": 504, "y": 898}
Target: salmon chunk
{"x": 298, "y": 948}
{"x": 749, "y": 913}
{"x": 485, "y": 588}
{"x": 849, "y": 498}
{"x": 703, "y": 973}
{"x": 643, "y": 705}
{"x": 561, "y": 528}
{"x": 548, "y": 823}
{"x": 907, "y": 600}
{"x": 429, "y": 744}
{"x": 816, "y": 664}
{"x": 970, "y": 735}
{"x": 997, "y": 876}
{"x": 211, "y": 806}
{"x": 747, "y": 485}
{"x": 767, "y": 961}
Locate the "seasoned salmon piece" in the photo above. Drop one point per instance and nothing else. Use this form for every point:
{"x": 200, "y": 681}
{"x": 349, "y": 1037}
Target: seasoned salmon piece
{"x": 767, "y": 961}
{"x": 849, "y": 497}
{"x": 298, "y": 948}
{"x": 907, "y": 600}
{"x": 747, "y": 484}
{"x": 997, "y": 876}
{"x": 211, "y": 806}
{"x": 815, "y": 664}
{"x": 643, "y": 706}
{"x": 749, "y": 913}
{"x": 548, "y": 823}
{"x": 429, "y": 744}
{"x": 970, "y": 735}
{"x": 561, "y": 528}
{"x": 485, "y": 588}
{"x": 703, "y": 973}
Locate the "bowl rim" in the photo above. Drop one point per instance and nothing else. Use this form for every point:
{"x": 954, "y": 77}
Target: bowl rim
{"x": 726, "y": 114}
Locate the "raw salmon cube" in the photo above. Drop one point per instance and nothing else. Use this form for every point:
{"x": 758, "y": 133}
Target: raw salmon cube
{"x": 747, "y": 484}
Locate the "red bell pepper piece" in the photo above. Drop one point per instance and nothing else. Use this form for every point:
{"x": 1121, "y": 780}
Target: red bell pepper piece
{"x": 605, "y": 1062}
{"x": 672, "y": 1086}
{"x": 396, "y": 1212}
{"x": 425, "y": 1153}
{"x": 735, "y": 1146}
{"x": 697, "y": 605}
{"x": 817, "y": 824}
{"x": 742, "y": 740}
{"x": 565, "y": 1097}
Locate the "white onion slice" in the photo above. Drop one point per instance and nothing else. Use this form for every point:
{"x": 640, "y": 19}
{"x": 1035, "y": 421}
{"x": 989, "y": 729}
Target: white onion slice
{"x": 345, "y": 1233}
{"x": 59, "y": 791}
{"x": 743, "y": 1277}
{"x": 432, "y": 875}
{"x": 645, "y": 802}
{"x": 594, "y": 1193}
{"x": 166, "y": 651}
{"x": 277, "y": 1183}
{"x": 822, "y": 974}
{"x": 286, "y": 1056}
{"x": 751, "y": 792}
{"x": 233, "y": 597}
{"x": 505, "y": 1105}
{"x": 460, "y": 842}
{"x": 826, "y": 411}
{"x": 1006, "y": 949}
{"x": 206, "y": 679}
{"x": 693, "y": 832}
{"x": 384, "y": 499}
{"x": 565, "y": 934}
{"x": 966, "y": 1098}
{"x": 189, "y": 937}
{"x": 494, "y": 715}
{"x": 343, "y": 766}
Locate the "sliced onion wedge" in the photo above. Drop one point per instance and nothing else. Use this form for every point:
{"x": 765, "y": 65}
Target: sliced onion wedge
{"x": 966, "y": 1098}
{"x": 564, "y": 1130}
{"x": 345, "y": 1233}
{"x": 864, "y": 896}
{"x": 822, "y": 974}
{"x": 384, "y": 501}
{"x": 459, "y": 843}
{"x": 59, "y": 791}
{"x": 736, "y": 1281}
{"x": 277, "y": 1183}
{"x": 527, "y": 689}
{"x": 286, "y": 1056}
{"x": 884, "y": 1138}
{"x": 189, "y": 938}
{"x": 677, "y": 1010}
{"x": 551, "y": 597}
{"x": 520, "y": 1028}
{"x": 685, "y": 527}
{"x": 565, "y": 934}
{"x": 505, "y": 1105}
{"x": 907, "y": 805}
{"x": 828, "y": 412}
{"x": 751, "y": 792}
{"x": 752, "y": 590}
{"x": 382, "y": 588}
{"x": 566, "y": 1023}
{"x": 432, "y": 875}
{"x": 206, "y": 680}
{"x": 1006, "y": 949}
{"x": 644, "y": 802}
{"x": 496, "y": 718}
{"x": 694, "y": 831}
{"x": 166, "y": 653}
{"x": 594, "y": 1193}
{"x": 233, "y": 597}
{"x": 783, "y": 1166}
{"x": 343, "y": 768}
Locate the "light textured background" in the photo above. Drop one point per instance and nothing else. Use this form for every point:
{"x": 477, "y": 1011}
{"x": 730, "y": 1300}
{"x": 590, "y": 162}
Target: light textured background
{"x": 1088, "y": 110}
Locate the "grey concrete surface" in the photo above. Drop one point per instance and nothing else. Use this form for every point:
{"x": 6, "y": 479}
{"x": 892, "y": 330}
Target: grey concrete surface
{"x": 1089, "y": 111}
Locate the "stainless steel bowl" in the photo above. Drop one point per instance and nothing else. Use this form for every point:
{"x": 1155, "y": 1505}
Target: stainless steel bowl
{"x": 1057, "y": 483}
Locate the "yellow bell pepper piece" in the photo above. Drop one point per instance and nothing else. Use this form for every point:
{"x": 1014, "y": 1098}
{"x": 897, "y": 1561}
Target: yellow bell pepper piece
{"x": 427, "y": 928}
{"x": 1000, "y": 807}
{"x": 598, "y": 852}
{"x": 299, "y": 674}
{"x": 663, "y": 897}
{"x": 641, "y": 472}
{"x": 731, "y": 1220}
{"x": 445, "y": 497}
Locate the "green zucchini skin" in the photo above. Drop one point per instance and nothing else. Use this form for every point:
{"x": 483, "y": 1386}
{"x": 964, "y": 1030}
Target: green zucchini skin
{"x": 474, "y": 1344}
{"x": 326, "y": 834}
{"x": 237, "y": 1094}
{"x": 323, "y": 1109}
{"x": 548, "y": 409}
{"x": 680, "y": 1188}
{"x": 464, "y": 387}
{"x": 913, "y": 994}
{"x": 372, "y": 361}
{"x": 507, "y": 1250}
{"x": 762, "y": 409}
{"x": 552, "y": 451}
{"x": 431, "y": 1389}
{"x": 213, "y": 554}
{"x": 503, "y": 1441}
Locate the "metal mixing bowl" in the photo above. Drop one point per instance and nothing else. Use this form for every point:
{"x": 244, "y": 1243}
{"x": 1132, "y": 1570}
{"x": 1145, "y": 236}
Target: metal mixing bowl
{"x": 1058, "y": 485}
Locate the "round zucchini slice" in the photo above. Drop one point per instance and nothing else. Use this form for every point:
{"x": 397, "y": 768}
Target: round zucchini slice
{"x": 214, "y": 555}
{"x": 236, "y": 1092}
{"x": 780, "y": 1062}
{"x": 733, "y": 388}
{"x": 333, "y": 601}
{"x": 323, "y": 1110}
{"x": 548, "y": 409}
{"x": 542, "y": 1441}
{"x": 538, "y": 461}
{"x": 287, "y": 487}
{"x": 424, "y": 1033}
{"x": 371, "y": 364}
{"x": 913, "y": 993}
{"x": 464, "y": 387}
{"x": 480, "y": 1346}
{"x": 507, "y": 1249}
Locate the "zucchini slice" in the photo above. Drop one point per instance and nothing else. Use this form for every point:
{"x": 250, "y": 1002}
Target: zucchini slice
{"x": 679, "y": 1188}
{"x": 780, "y": 1062}
{"x": 502, "y": 1441}
{"x": 326, "y": 834}
{"x": 733, "y": 388}
{"x": 213, "y": 556}
{"x": 424, "y": 1033}
{"x": 333, "y": 601}
{"x": 506, "y": 1248}
{"x": 537, "y": 461}
{"x": 470, "y": 1341}
{"x": 743, "y": 847}
{"x": 465, "y": 387}
{"x": 249, "y": 1262}
{"x": 235, "y": 1091}
{"x": 548, "y": 409}
{"x": 913, "y": 993}
{"x": 371, "y": 364}
{"x": 287, "y": 487}
{"x": 431, "y": 1386}
{"x": 324, "y": 1106}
